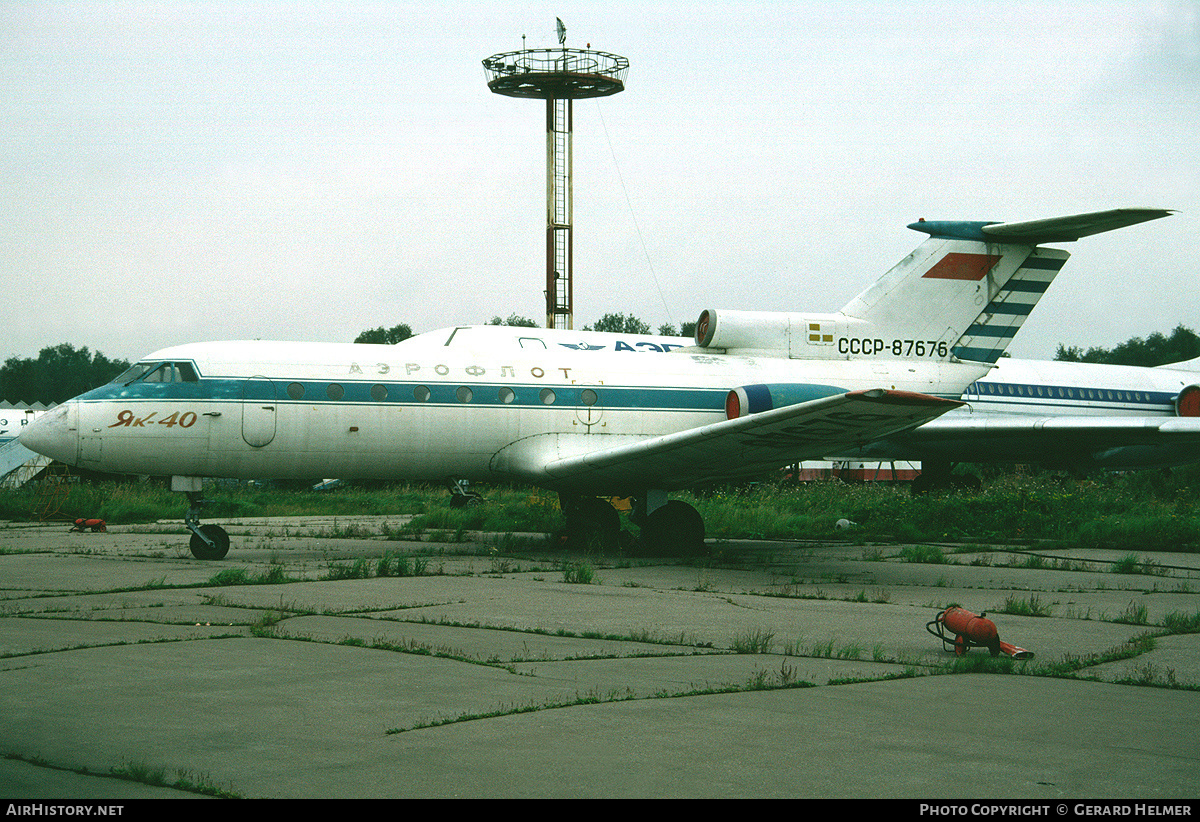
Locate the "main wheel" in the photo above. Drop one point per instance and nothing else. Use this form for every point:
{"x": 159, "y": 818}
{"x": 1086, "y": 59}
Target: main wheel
{"x": 675, "y": 528}
{"x": 593, "y": 522}
{"x": 220, "y": 540}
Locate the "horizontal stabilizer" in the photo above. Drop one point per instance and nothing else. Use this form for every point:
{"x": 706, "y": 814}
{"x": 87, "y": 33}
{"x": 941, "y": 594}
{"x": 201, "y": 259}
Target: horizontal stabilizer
{"x": 724, "y": 450}
{"x": 1035, "y": 232}
{"x": 1069, "y": 229}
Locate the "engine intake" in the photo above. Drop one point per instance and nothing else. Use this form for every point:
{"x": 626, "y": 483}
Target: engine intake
{"x": 1187, "y": 403}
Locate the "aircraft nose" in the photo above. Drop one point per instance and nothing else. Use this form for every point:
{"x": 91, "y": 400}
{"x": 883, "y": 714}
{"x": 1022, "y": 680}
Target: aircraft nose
{"x": 54, "y": 434}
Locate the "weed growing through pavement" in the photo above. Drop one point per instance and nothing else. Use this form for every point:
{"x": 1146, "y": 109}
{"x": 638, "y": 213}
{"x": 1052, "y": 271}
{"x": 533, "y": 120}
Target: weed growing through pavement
{"x": 1133, "y": 615}
{"x": 1031, "y": 606}
{"x": 758, "y": 641}
{"x": 578, "y": 573}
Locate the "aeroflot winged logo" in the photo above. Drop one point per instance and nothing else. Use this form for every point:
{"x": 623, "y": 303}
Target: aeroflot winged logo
{"x": 621, "y": 345}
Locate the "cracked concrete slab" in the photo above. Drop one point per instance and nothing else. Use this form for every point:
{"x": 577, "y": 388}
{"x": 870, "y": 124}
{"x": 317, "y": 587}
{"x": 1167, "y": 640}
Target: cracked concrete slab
{"x": 491, "y": 676}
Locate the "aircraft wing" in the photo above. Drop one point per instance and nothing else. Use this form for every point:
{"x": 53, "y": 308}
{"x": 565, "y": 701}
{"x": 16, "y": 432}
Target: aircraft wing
{"x": 1126, "y": 442}
{"x": 724, "y": 450}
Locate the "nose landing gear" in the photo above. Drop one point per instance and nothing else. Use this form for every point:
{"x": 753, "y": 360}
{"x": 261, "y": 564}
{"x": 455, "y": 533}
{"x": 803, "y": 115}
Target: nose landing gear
{"x": 208, "y": 541}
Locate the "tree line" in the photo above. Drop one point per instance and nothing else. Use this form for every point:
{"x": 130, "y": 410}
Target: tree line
{"x": 1156, "y": 349}
{"x": 58, "y": 373}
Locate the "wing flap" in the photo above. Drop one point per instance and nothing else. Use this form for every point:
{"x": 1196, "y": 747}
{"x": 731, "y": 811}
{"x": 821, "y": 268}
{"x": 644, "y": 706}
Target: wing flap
{"x": 724, "y": 450}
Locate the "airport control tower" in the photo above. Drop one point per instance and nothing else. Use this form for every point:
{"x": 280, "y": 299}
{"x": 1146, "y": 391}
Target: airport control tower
{"x": 558, "y": 76}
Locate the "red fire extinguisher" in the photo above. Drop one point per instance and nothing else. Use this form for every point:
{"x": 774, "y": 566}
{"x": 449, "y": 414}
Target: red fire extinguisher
{"x": 971, "y": 631}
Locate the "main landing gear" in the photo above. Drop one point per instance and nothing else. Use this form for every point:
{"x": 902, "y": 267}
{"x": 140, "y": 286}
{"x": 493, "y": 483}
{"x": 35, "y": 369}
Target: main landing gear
{"x": 673, "y": 528}
{"x": 669, "y": 528}
{"x": 592, "y": 522}
{"x": 461, "y": 495}
{"x": 936, "y": 476}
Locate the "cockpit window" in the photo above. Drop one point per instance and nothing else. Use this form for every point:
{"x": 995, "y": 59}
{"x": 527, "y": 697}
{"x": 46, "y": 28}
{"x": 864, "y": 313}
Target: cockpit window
{"x": 164, "y": 373}
{"x": 159, "y": 372}
{"x": 133, "y": 373}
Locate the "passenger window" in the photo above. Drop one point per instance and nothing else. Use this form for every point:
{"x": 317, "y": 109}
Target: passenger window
{"x": 507, "y": 395}
{"x": 464, "y": 394}
{"x": 335, "y": 391}
{"x": 421, "y": 394}
{"x": 295, "y": 390}
{"x": 547, "y": 396}
{"x": 379, "y": 393}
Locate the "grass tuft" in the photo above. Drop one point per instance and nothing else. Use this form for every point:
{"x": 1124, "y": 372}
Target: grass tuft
{"x": 758, "y": 641}
{"x": 1031, "y": 606}
{"x": 578, "y": 573}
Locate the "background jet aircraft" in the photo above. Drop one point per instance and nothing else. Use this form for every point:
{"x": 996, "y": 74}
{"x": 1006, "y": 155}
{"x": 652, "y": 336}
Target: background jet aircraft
{"x": 1062, "y": 415}
{"x": 577, "y": 412}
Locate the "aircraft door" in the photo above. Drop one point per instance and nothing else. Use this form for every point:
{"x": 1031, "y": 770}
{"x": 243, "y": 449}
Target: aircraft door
{"x": 258, "y": 411}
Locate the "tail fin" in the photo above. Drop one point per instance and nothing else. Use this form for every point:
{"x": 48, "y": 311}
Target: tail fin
{"x": 971, "y": 285}
{"x": 962, "y": 295}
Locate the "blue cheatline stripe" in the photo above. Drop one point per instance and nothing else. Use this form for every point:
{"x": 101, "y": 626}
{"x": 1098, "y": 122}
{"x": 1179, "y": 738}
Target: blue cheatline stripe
{"x": 491, "y": 395}
{"x": 402, "y": 394}
{"x": 1057, "y": 395}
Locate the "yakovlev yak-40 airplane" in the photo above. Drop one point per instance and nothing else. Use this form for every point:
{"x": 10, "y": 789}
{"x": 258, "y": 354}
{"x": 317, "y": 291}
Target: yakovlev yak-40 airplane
{"x": 576, "y": 412}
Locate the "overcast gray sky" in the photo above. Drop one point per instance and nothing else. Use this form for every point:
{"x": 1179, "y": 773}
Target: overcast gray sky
{"x": 173, "y": 172}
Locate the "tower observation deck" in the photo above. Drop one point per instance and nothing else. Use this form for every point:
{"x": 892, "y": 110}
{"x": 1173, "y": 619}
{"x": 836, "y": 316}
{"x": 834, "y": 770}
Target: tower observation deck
{"x": 558, "y": 76}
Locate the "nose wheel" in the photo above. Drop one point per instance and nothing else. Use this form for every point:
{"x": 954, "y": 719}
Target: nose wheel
{"x": 208, "y": 541}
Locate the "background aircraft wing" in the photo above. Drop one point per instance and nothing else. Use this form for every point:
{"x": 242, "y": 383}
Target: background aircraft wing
{"x": 736, "y": 448}
{"x": 1116, "y": 442}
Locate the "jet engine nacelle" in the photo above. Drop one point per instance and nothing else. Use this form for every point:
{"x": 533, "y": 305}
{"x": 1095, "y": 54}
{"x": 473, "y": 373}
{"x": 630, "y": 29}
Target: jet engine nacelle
{"x": 1187, "y": 402}
{"x": 761, "y": 330}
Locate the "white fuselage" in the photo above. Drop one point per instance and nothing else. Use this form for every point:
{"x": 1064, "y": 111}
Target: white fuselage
{"x": 451, "y": 403}
{"x": 1086, "y": 389}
